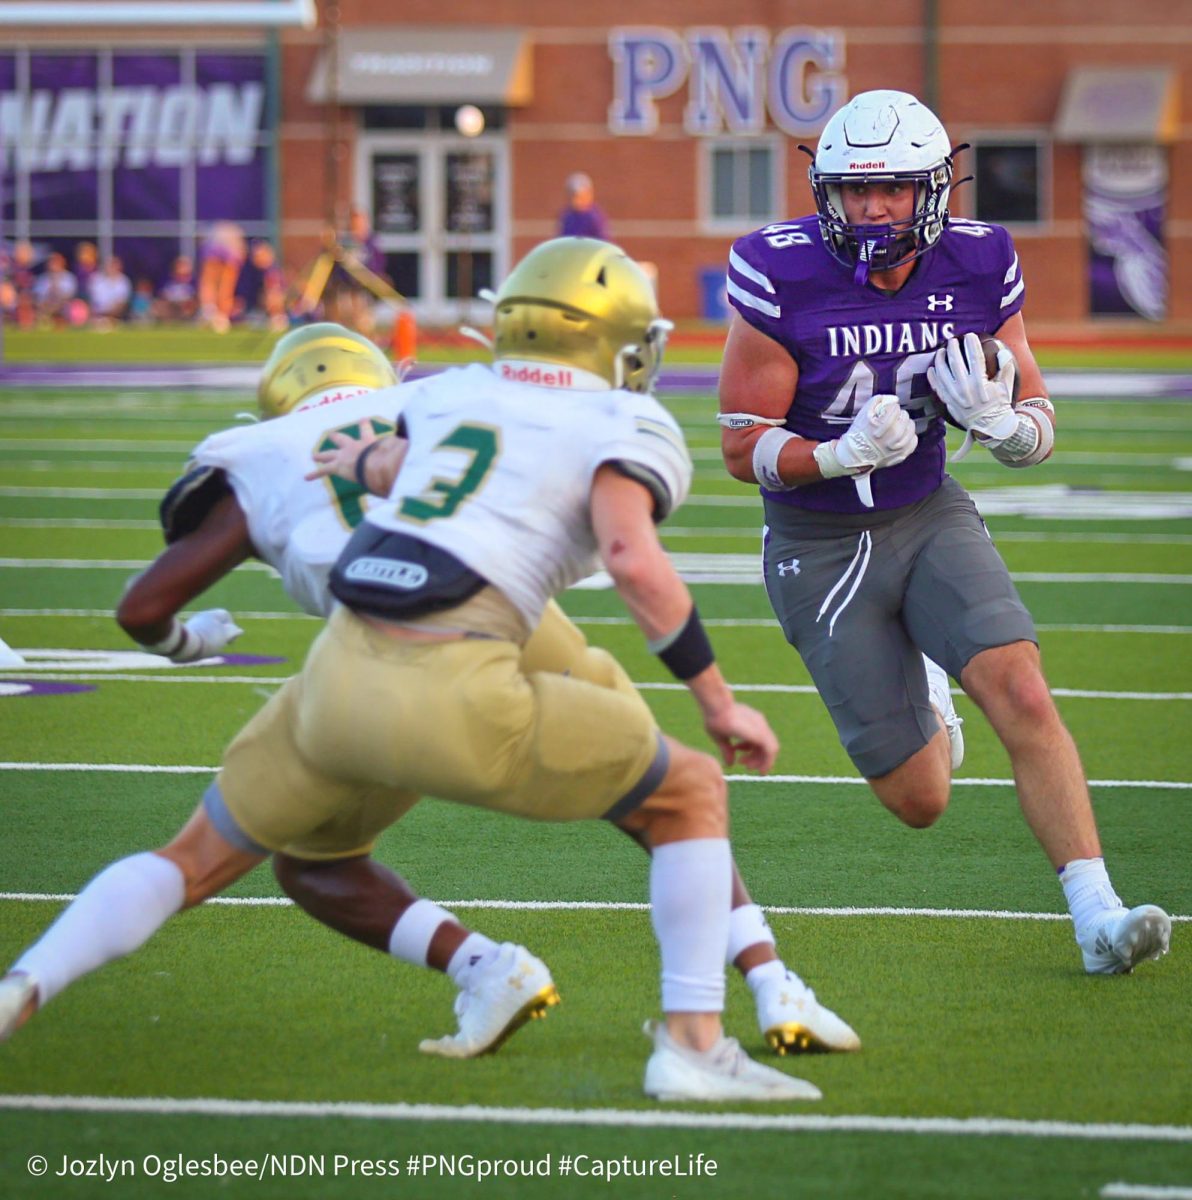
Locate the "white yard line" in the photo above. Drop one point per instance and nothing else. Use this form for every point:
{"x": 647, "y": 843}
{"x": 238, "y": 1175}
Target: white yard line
{"x": 171, "y": 674}
{"x": 75, "y": 523}
{"x": 852, "y": 780}
{"x": 713, "y": 622}
{"x": 77, "y": 493}
{"x": 608, "y": 1117}
{"x": 152, "y": 446}
{"x": 698, "y": 568}
{"x": 1144, "y": 1191}
{"x": 781, "y": 910}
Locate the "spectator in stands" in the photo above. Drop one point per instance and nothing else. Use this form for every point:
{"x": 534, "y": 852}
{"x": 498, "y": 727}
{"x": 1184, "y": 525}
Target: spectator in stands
{"x": 16, "y": 285}
{"x": 582, "y": 217}
{"x": 177, "y": 299}
{"x": 348, "y": 298}
{"x": 54, "y": 289}
{"x": 110, "y": 293}
{"x": 268, "y": 303}
{"x": 222, "y": 258}
{"x": 86, "y": 264}
{"x": 141, "y": 306}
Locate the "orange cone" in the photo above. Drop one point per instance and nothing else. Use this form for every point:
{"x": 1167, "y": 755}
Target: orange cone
{"x": 405, "y": 336}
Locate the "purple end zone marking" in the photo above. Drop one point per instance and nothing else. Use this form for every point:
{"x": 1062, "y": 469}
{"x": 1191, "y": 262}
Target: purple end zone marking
{"x": 242, "y": 660}
{"x": 40, "y": 687}
{"x": 695, "y": 377}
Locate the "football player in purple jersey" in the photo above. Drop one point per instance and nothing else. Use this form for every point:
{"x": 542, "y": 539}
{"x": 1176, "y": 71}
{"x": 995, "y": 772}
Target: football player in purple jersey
{"x": 855, "y": 336}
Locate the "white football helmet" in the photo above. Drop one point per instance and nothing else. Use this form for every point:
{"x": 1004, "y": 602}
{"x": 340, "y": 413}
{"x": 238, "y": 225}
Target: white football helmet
{"x": 877, "y": 137}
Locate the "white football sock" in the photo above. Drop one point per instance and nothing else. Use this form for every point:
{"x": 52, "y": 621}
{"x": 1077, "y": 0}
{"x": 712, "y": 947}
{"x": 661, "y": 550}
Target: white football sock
{"x": 469, "y": 953}
{"x": 747, "y": 926}
{"x": 765, "y": 972}
{"x": 1088, "y": 890}
{"x": 414, "y": 930}
{"x": 690, "y": 895}
{"x": 115, "y": 914}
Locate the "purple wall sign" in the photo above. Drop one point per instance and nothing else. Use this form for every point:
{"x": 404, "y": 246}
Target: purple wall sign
{"x": 134, "y": 150}
{"x": 1125, "y": 199}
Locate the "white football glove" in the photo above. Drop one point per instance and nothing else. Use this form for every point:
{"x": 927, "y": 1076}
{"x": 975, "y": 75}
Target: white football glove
{"x": 205, "y": 634}
{"x": 881, "y": 435}
{"x": 982, "y": 406}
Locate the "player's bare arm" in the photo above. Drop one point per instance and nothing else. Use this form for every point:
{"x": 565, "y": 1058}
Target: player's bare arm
{"x": 188, "y": 567}
{"x": 367, "y": 460}
{"x": 758, "y": 377}
{"x": 623, "y": 520}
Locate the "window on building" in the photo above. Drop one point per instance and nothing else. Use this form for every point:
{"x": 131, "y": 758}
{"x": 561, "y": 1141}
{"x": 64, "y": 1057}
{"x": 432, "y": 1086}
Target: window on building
{"x": 1009, "y": 182}
{"x": 742, "y": 182}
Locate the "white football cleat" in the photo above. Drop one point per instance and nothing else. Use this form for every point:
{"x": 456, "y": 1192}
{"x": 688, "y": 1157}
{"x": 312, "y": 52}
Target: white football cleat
{"x": 500, "y": 996}
{"x": 17, "y": 992}
{"x": 725, "y": 1072}
{"x": 939, "y": 687}
{"x": 793, "y": 1021}
{"x": 1120, "y": 940}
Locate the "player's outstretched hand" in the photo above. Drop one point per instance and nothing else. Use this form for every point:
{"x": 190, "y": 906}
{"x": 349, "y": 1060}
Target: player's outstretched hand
{"x": 744, "y": 736}
{"x": 342, "y": 460}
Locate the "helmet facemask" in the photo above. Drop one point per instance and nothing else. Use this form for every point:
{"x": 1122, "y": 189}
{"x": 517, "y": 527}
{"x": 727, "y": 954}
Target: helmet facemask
{"x": 882, "y": 137}
{"x": 871, "y": 248}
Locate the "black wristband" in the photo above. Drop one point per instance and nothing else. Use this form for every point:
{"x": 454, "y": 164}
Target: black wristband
{"x": 688, "y": 651}
{"x": 361, "y": 459}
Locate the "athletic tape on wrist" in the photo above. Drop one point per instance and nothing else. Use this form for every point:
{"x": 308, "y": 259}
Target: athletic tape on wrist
{"x": 1029, "y": 444}
{"x": 766, "y": 450}
{"x": 685, "y": 651}
{"x": 746, "y": 420}
{"x": 172, "y": 643}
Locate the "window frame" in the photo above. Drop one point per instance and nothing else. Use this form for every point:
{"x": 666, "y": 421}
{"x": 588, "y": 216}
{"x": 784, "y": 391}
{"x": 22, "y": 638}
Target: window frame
{"x": 1041, "y": 140}
{"x": 739, "y": 223}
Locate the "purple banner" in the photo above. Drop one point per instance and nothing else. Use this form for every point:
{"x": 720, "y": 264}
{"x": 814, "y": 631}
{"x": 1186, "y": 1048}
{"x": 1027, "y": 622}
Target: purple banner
{"x": 162, "y": 134}
{"x": 1125, "y": 200}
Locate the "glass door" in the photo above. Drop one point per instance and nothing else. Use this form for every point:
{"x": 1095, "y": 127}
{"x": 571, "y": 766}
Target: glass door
{"x": 439, "y": 205}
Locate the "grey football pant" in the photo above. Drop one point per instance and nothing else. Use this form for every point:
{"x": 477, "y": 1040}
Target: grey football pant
{"x": 859, "y": 596}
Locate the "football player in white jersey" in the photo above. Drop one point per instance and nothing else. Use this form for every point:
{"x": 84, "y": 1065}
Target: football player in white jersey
{"x": 292, "y": 535}
{"x": 504, "y": 486}
{"x": 328, "y": 378}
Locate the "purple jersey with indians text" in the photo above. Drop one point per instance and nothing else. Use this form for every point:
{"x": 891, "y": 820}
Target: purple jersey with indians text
{"x": 852, "y": 341}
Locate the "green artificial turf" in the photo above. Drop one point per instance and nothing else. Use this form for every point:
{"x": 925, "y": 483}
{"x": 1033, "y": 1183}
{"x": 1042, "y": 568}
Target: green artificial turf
{"x": 966, "y": 1015}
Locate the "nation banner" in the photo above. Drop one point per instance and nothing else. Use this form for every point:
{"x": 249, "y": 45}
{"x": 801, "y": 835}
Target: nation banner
{"x": 138, "y": 151}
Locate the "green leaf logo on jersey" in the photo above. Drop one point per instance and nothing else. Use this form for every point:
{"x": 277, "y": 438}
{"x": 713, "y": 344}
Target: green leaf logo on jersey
{"x": 349, "y": 498}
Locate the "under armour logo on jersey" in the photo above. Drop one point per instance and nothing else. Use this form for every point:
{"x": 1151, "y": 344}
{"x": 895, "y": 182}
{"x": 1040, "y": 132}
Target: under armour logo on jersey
{"x": 790, "y": 567}
{"x": 944, "y": 302}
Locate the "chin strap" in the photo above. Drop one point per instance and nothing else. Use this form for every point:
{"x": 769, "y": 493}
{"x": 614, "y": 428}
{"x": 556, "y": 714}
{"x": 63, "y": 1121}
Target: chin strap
{"x": 864, "y": 252}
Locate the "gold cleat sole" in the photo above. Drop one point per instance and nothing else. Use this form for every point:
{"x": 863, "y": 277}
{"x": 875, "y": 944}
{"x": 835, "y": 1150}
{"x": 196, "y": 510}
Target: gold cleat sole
{"x": 534, "y": 1009}
{"x": 793, "y": 1039}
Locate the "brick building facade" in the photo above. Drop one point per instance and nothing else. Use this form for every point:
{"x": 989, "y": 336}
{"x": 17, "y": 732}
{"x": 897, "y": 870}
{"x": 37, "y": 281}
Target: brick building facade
{"x": 689, "y": 126}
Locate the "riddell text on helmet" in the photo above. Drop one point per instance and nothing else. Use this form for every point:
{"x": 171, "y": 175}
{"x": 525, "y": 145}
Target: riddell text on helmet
{"x": 561, "y": 378}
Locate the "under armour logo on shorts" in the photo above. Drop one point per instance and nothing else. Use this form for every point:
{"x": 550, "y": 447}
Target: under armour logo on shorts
{"x": 790, "y": 567}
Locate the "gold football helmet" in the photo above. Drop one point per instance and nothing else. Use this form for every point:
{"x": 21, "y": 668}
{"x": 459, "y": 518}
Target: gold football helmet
{"x": 317, "y": 358}
{"x": 584, "y": 303}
